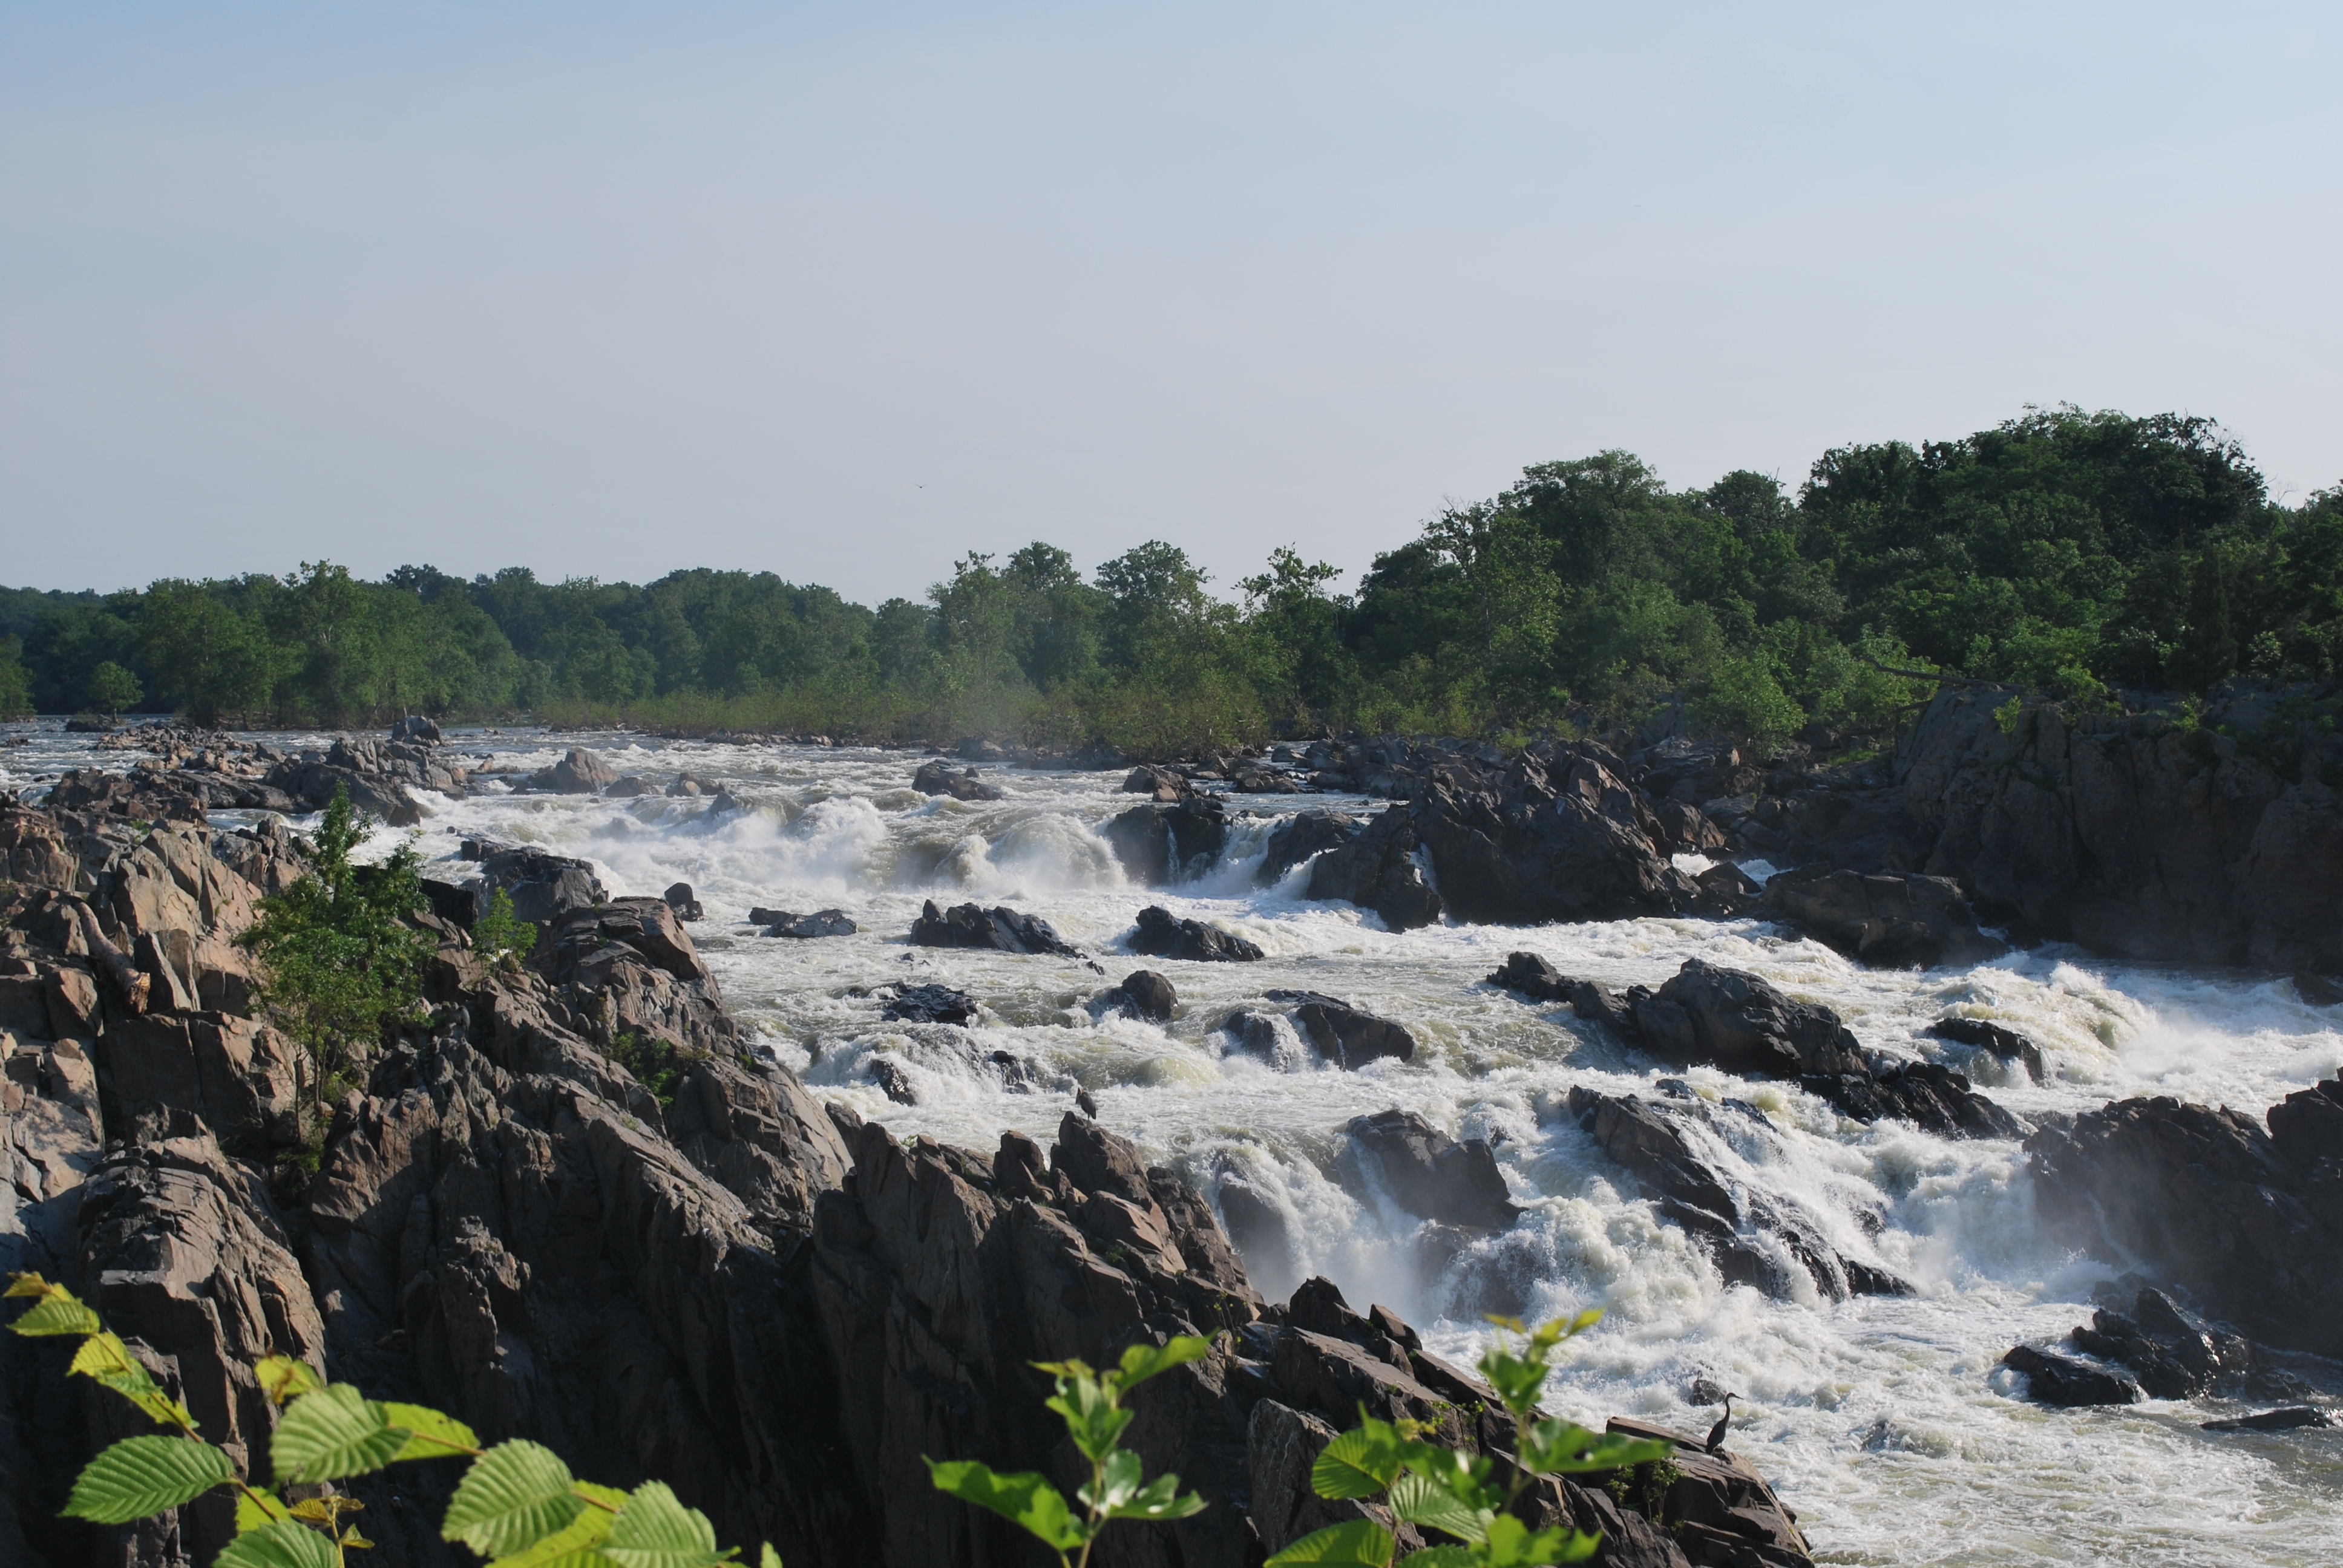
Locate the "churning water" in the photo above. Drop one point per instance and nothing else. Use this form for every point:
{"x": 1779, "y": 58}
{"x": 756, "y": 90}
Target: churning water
{"x": 1887, "y": 1423}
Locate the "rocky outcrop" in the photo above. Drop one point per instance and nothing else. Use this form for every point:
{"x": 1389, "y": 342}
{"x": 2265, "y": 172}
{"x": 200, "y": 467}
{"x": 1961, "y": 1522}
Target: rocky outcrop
{"x": 1757, "y": 1237}
{"x": 804, "y": 927}
{"x": 1000, "y": 929}
{"x": 2054, "y": 1379}
{"x": 1736, "y": 1020}
{"x": 2139, "y": 835}
{"x": 543, "y": 887}
{"x": 1432, "y": 1175}
{"x": 2249, "y": 1220}
{"x": 1555, "y": 836}
{"x": 580, "y": 771}
{"x": 2005, "y": 1044}
{"x": 1160, "y": 934}
{"x": 1899, "y": 920}
{"x": 1376, "y": 868}
{"x": 926, "y": 1004}
{"x": 937, "y": 778}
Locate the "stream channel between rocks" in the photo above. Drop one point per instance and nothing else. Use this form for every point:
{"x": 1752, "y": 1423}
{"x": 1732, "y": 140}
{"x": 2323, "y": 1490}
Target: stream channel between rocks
{"x": 1885, "y": 1422}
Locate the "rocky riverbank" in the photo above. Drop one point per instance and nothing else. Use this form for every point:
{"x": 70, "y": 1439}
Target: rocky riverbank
{"x": 695, "y": 1271}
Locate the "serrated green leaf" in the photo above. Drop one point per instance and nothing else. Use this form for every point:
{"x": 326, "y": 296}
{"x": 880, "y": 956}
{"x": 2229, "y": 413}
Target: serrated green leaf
{"x": 256, "y": 1509}
{"x": 142, "y": 1475}
{"x": 1025, "y": 1500}
{"x": 1419, "y": 1500}
{"x": 768, "y": 1558}
{"x": 25, "y": 1283}
{"x": 1513, "y": 1545}
{"x": 1361, "y": 1543}
{"x": 1557, "y": 1447}
{"x": 1141, "y": 1361}
{"x": 104, "y": 1358}
{"x": 281, "y": 1545}
{"x": 430, "y": 1435}
{"x": 654, "y": 1530}
{"x": 568, "y": 1547}
{"x": 57, "y": 1313}
{"x": 611, "y": 1498}
{"x": 333, "y": 1433}
{"x": 1359, "y": 1464}
{"x": 512, "y": 1497}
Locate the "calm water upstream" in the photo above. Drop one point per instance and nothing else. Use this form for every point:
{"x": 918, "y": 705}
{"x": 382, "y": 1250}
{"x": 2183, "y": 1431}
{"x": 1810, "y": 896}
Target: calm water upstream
{"x": 1885, "y": 1422}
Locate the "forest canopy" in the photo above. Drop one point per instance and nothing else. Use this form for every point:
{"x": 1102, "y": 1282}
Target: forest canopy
{"x": 2085, "y": 554}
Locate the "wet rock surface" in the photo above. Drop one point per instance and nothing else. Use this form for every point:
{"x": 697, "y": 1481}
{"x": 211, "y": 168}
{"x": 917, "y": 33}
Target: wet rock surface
{"x": 1432, "y": 1175}
{"x": 1342, "y": 1033}
{"x": 1160, "y": 934}
{"x": 937, "y": 778}
{"x": 1894, "y": 919}
{"x": 1143, "y": 993}
{"x": 1001, "y": 929}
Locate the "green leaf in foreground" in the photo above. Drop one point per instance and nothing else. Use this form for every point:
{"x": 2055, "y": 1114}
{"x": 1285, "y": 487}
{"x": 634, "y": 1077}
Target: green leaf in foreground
{"x": 283, "y": 1545}
{"x": 1025, "y": 1500}
{"x": 513, "y": 1496}
{"x": 1419, "y": 1500}
{"x": 1141, "y": 1361}
{"x": 577, "y": 1537}
{"x": 256, "y": 1510}
{"x": 654, "y": 1530}
{"x": 430, "y": 1435}
{"x": 56, "y": 1310}
{"x": 144, "y": 1475}
{"x": 104, "y": 1358}
{"x": 333, "y": 1433}
{"x": 1359, "y": 1464}
{"x": 1361, "y": 1543}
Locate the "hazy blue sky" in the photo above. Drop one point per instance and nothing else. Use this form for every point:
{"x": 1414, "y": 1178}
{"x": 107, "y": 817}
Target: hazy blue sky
{"x": 842, "y": 291}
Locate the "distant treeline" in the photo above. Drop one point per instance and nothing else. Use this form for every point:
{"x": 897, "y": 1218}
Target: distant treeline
{"x": 2081, "y": 553}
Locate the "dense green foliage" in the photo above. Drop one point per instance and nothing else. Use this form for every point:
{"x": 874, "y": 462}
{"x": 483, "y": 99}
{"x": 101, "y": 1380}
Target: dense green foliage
{"x": 517, "y": 1503}
{"x": 1090, "y": 1404}
{"x": 338, "y": 960}
{"x": 2062, "y": 550}
{"x": 1469, "y": 1497}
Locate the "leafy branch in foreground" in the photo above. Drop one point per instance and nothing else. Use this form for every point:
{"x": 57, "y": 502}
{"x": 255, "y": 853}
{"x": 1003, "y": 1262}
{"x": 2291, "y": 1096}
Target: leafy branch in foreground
{"x": 518, "y": 1504}
{"x": 1460, "y": 1494}
{"x": 1090, "y": 1403}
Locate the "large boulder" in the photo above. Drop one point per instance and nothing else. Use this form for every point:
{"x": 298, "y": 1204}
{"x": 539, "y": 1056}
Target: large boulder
{"x": 580, "y": 772}
{"x": 1376, "y": 868}
{"x": 1160, "y": 934}
{"x": 1001, "y": 929}
{"x": 543, "y": 887}
{"x": 1432, "y": 1175}
{"x": 1165, "y": 842}
{"x": 2054, "y": 1379}
{"x": 1892, "y": 921}
{"x": 1143, "y": 993}
{"x": 1736, "y": 1020}
{"x": 936, "y": 778}
{"x": 1300, "y": 837}
{"x": 1556, "y": 837}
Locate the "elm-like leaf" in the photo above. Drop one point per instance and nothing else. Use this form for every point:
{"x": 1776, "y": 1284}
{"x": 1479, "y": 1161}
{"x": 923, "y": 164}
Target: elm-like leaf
{"x": 139, "y": 1476}
{"x": 1442, "y": 1557}
{"x": 332, "y": 1433}
{"x": 281, "y": 1545}
{"x": 104, "y": 1358}
{"x": 1419, "y": 1500}
{"x": 430, "y": 1435}
{"x": 1359, "y": 1464}
{"x": 768, "y": 1558}
{"x": 284, "y": 1379}
{"x": 57, "y": 1311}
{"x": 655, "y": 1530}
{"x": 512, "y": 1497}
{"x": 256, "y": 1509}
{"x": 1026, "y": 1500}
{"x": 1158, "y": 1499}
{"x": 573, "y": 1540}
{"x": 1361, "y": 1543}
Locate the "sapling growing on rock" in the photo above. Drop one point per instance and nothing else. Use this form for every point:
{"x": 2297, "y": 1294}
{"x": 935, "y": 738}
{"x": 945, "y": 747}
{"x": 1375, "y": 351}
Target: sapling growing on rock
{"x": 1462, "y": 1495}
{"x": 500, "y": 937}
{"x": 517, "y": 1503}
{"x": 1090, "y": 1404}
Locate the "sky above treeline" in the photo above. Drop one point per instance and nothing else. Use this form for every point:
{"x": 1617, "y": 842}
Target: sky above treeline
{"x": 844, "y": 292}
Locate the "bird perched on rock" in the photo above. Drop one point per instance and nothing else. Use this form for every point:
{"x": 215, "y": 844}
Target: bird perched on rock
{"x": 1085, "y": 1104}
{"x": 1716, "y": 1432}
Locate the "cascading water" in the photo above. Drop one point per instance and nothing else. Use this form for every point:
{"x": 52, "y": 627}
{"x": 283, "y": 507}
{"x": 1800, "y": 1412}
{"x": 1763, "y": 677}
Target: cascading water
{"x": 1884, "y": 1421}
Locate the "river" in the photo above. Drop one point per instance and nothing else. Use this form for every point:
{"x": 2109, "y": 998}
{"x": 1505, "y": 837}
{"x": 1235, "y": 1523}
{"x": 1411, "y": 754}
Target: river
{"x": 1885, "y": 1422}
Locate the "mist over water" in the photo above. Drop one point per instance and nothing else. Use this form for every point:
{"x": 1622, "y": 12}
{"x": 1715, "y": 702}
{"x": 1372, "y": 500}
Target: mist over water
{"x": 1885, "y": 1422}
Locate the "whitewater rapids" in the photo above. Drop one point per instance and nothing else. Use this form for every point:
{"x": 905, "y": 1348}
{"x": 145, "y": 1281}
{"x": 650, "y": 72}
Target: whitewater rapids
{"x": 1885, "y": 1423}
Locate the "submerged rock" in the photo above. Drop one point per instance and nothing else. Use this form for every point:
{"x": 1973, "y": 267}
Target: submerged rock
{"x": 1342, "y": 1033}
{"x": 927, "y": 1004}
{"x": 2005, "y": 1043}
{"x": 1001, "y": 928}
{"x": 1160, "y": 934}
{"x": 2290, "y": 1419}
{"x": 937, "y": 778}
{"x": 804, "y": 927}
{"x": 1143, "y": 993}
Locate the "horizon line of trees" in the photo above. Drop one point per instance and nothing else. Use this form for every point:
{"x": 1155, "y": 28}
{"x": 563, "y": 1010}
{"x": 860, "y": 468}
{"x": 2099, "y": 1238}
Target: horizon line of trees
{"x": 2073, "y": 552}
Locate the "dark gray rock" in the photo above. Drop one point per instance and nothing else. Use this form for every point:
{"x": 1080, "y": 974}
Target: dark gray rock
{"x": 1160, "y": 934}
{"x": 937, "y": 778}
{"x": 2005, "y": 1043}
{"x": 926, "y": 1004}
{"x": 1163, "y": 843}
{"x": 1001, "y": 929}
{"x": 2054, "y": 1379}
{"x": 580, "y": 772}
{"x": 804, "y": 927}
{"x": 1375, "y": 868}
{"x": 543, "y": 887}
{"x": 1432, "y": 1175}
{"x": 1143, "y": 993}
{"x": 1342, "y": 1033}
{"x": 1299, "y": 836}
{"x": 679, "y": 899}
{"x": 1893, "y": 920}
{"x": 2290, "y": 1419}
